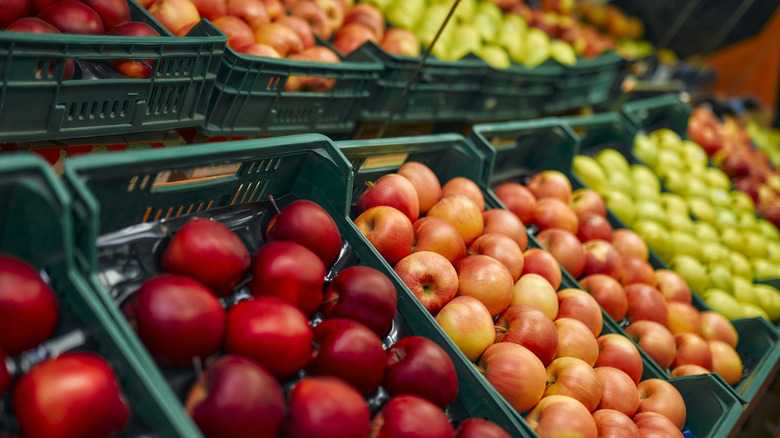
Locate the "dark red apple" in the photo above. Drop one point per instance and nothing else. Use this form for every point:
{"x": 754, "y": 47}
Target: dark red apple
{"x": 209, "y": 252}
{"x": 112, "y": 12}
{"x": 270, "y": 331}
{"x": 12, "y": 10}
{"x": 307, "y": 223}
{"x": 406, "y": 413}
{"x": 594, "y": 226}
{"x": 479, "y": 428}
{"x": 363, "y": 294}
{"x": 326, "y": 407}
{"x": 73, "y": 16}
{"x": 177, "y": 319}
{"x": 236, "y": 397}
{"x": 645, "y": 303}
{"x": 36, "y": 6}
{"x": 28, "y": 307}
{"x": 417, "y": 365}
{"x": 130, "y": 68}
{"x": 36, "y": 25}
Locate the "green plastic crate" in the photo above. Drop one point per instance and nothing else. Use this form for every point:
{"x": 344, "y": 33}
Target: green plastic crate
{"x": 666, "y": 111}
{"x": 520, "y": 157}
{"x": 36, "y": 225}
{"x": 586, "y": 83}
{"x": 117, "y": 190}
{"x": 36, "y": 103}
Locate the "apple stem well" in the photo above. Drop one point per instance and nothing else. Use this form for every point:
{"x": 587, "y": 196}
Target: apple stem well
{"x": 395, "y": 357}
{"x": 273, "y": 202}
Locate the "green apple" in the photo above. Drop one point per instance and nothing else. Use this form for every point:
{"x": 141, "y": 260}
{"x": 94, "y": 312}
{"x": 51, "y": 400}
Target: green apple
{"x": 769, "y": 299}
{"x": 719, "y": 277}
{"x": 536, "y": 48}
{"x": 668, "y": 159}
{"x": 563, "y": 52}
{"x": 465, "y": 39}
{"x": 644, "y": 176}
{"x": 753, "y": 311}
{"x": 717, "y": 178}
{"x": 693, "y": 272}
{"x": 465, "y": 9}
{"x": 681, "y": 222}
{"x": 763, "y": 269}
{"x": 491, "y": 10}
{"x": 723, "y": 303}
{"x": 773, "y": 252}
{"x": 673, "y": 179}
{"x": 674, "y": 203}
{"x": 405, "y": 13}
{"x": 719, "y": 198}
{"x": 745, "y": 219}
{"x": 652, "y": 211}
{"x": 621, "y": 205}
{"x": 744, "y": 291}
{"x": 646, "y": 150}
{"x": 495, "y": 56}
{"x": 715, "y": 252}
{"x": 755, "y": 246}
{"x": 614, "y": 161}
{"x": 695, "y": 187}
{"x": 379, "y": 4}
{"x": 487, "y": 25}
{"x": 705, "y": 232}
{"x": 693, "y": 154}
{"x": 725, "y": 218}
{"x": 589, "y": 171}
{"x": 667, "y": 139}
{"x": 512, "y": 32}
{"x": 702, "y": 210}
{"x": 742, "y": 201}
{"x": 734, "y": 239}
{"x": 647, "y": 193}
{"x": 656, "y": 236}
{"x": 740, "y": 266}
{"x": 768, "y": 230}
{"x": 685, "y": 243}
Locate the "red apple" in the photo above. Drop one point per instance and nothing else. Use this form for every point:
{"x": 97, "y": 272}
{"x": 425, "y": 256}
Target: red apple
{"x": 335, "y": 10}
{"x": 574, "y": 378}
{"x": 645, "y": 303}
{"x": 236, "y": 397}
{"x": 326, "y": 407}
{"x": 539, "y": 261}
{"x": 601, "y": 258}
{"x": 368, "y": 15}
{"x": 209, "y": 252}
{"x": 76, "y": 394}
{"x": 238, "y": 32}
{"x": 280, "y": 37}
{"x": 614, "y": 424}
{"x": 619, "y": 352}
{"x": 580, "y": 305}
{"x": 437, "y": 235}
{"x": 628, "y": 243}
{"x": 430, "y": 277}
{"x": 516, "y": 373}
{"x": 28, "y": 307}
{"x": 550, "y": 184}
{"x": 536, "y": 290}
{"x": 462, "y": 213}
{"x": 112, "y": 12}
{"x": 655, "y": 340}
{"x": 651, "y": 424}
{"x": 270, "y": 331}
{"x": 275, "y": 9}
{"x": 716, "y": 326}
{"x": 479, "y": 428}
{"x": 561, "y": 416}
{"x": 133, "y": 69}
{"x": 565, "y": 247}
{"x": 608, "y": 293}
{"x": 517, "y": 199}
{"x": 392, "y": 190}
{"x": 585, "y": 201}
{"x": 692, "y": 349}
{"x": 301, "y": 27}
{"x": 594, "y": 226}
{"x": 502, "y": 248}
{"x": 576, "y": 340}
{"x": 177, "y": 319}
{"x": 688, "y": 370}
{"x": 487, "y": 280}
{"x": 401, "y": 42}
{"x": 683, "y": 317}
{"x": 31, "y": 25}
{"x": 502, "y": 221}
{"x": 13, "y": 10}
{"x": 315, "y": 16}
{"x": 528, "y": 326}
{"x": 317, "y": 84}
{"x": 635, "y": 270}
{"x": 672, "y": 286}
{"x": 464, "y": 186}
{"x": 174, "y": 14}
{"x": 253, "y": 12}
{"x": 618, "y": 391}
{"x": 425, "y": 182}
{"x": 662, "y": 397}
{"x": 418, "y": 366}
{"x": 388, "y": 230}
{"x": 259, "y": 50}
{"x": 72, "y": 16}
{"x": 350, "y": 37}
{"x": 553, "y": 213}
{"x": 405, "y": 413}
{"x": 363, "y": 294}
{"x": 468, "y": 324}
{"x": 307, "y": 223}
{"x": 36, "y": 6}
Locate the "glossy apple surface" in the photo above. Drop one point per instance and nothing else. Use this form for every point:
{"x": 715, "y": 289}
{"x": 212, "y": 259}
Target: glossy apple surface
{"x": 72, "y": 16}
{"x": 654, "y": 339}
{"x": 487, "y": 280}
{"x": 391, "y": 190}
{"x": 662, "y": 397}
{"x": 502, "y": 248}
{"x": 565, "y": 247}
{"x": 309, "y": 224}
{"x": 406, "y": 413}
{"x": 437, "y": 235}
{"x": 574, "y": 378}
{"x": 539, "y": 261}
{"x": 608, "y": 293}
{"x": 580, "y": 305}
{"x": 418, "y": 366}
{"x": 425, "y": 182}
{"x": 502, "y": 221}
{"x": 468, "y": 323}
{"x": 619, "y": 352}
{"x": 652, "y": 424}
{"x": 466, "y": 187}
{"x": 536, "y": 290}
{"x": 516, "y": 373}
{"x": 618, "y": 391}
{"x": 559, "y": 415}
{"x": 430, "y": 277}
{"x": 517, "y": 199}
{"x": 614, "y": 424}
{"x": 527, "y": 325}
{"x": 364, "y": 294}
{"x": 550, "y": 184}
{"x": 326, "y": 407}
{"x": 479, "y": 428}
{"x": 462, "y": 213}
{"x": 553, "y": 213}
{"x": 576, "y": 340}
{"x": 388, "y": 230}
{"x": 645, "y": 303}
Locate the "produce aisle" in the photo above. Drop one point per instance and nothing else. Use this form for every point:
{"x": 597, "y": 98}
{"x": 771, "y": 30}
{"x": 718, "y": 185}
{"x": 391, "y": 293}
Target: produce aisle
{"x": 388, "y": 218}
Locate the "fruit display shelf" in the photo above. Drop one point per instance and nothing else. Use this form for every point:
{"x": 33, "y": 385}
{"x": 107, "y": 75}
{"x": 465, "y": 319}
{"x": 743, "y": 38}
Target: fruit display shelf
{"x": 588, "y": 82}
{"x": 97, "y": 100}
{"x": 713, "y": 406}
{"x": 115, "y": 191}
{"x": 516, "y": 155}
{"x": 36, "y": 226}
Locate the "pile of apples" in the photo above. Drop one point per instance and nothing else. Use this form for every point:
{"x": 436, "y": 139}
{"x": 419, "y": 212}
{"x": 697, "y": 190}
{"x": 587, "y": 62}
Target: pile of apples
{"x": 467, "y": 266}
{"x": 79, "y": 383}
{"x": 722, "y": 250}
{"x": 86, "y": 17}
{"x": 612, "y": 265}
{"x": 267, "y": 341}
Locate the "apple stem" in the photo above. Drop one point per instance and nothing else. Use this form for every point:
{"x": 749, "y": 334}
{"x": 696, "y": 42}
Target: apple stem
{"x": 480, "y": 369}
{"x": 500, "y": 329}
{"x": 273, "y": 202}
{"x": 370, "y": 184}
{"x": 332, "y": 300}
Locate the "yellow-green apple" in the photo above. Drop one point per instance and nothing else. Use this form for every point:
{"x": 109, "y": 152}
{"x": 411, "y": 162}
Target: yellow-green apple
{"x": 576, "y": 340}
{"x": 645, "y": 303}
{"x": 462, "y": 213}
{"x": 663, "y": 398}
{"x": 768, "y": 300}
{"x": 601, "y": 258}
{"x": 437, "y": 235}
{"x": 619, "y": 352}
{"x": 401, "y": 42}
{"x": 608, "y": 293}
{"x": 726, "y": 362}
{"x": 425, "y": 182}
{"x": 350, "y": 37}
{"x": 516, "y": 373}
{"x": 367, "y": 15}
{"x": 313, "y": 14}
{"x": 682, "y": 317}
{"x": 498, "y": 220}
{"x": 417, "y": 365}
{"x": 487, "y": 280}
{"x": 283, "y": 39}
{"x": 536, "y": 290}
{"x": 327, "y": 407}
{"x": 553, "y": 213}
{"x": 688, "y": 370}
{"x": 574, "y": 378}
{"x": 694, "y": 274}
{"x": 654, "y": 339}
{"x": 559, "y": 415}
{"x": 541, "y": 262}
{"x": 468, "y": 323}
{"x": 408, "y": 412}
{"x": 388, "y": 230}
{"x": 502, "y": 248}
{"x": 635, "y": 270}
{"x": 349, "y": 350}
{"x": 716, "y": 326}
{"x": 613, "y": 160}
{"x": 479, "y": 428}
{"x": 618, "y": 390}
{"x": 656, "y": 236}
{"x": 363, "y": 294}
{"x": 517, "y": 199}
{"x": 430, "y": 277}
{"x": 594, "y": 226}
{"x": 614, "y": 424}
{"x": 392, "y": 190}
{"x": 464, "y": 186}
{"x": 565, "y": 247}
{"x": 723, "y": 303}
{"x": 692, "y": 349}
{"x": 236, "y": 396}
{"x": 672, "y": 286}
{"x": 621, "y": 205}
{"x": 584, "y": 201}
{"x": 527, "y": 325}
{"x": 580, "y": 305}
{"x": 589, "y": 171}
{"x": 651, "y": 424}
{"x": 550, "y": 184}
